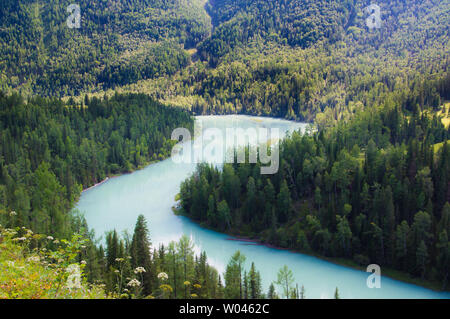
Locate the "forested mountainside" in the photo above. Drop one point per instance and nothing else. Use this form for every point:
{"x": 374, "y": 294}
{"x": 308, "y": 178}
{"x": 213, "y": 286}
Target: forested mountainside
{"x": 118, "y": 42}
{"x": 51, "y": 150}
{"x": 371, "y": 185}
{"x": 375, "y": 189}
{"x": 306, "y": 23}
{"x": 262, "y": 60}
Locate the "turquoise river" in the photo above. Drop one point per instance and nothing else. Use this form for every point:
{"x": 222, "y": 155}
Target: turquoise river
{"x": 116, "y": 204}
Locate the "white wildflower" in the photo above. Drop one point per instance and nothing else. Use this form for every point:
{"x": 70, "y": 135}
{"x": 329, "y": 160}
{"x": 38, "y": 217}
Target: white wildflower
{"x": 163, "y": 276}
{"x": 13, "y": 213}
{"x": 74, "y": 279}
{"x": 9, "y": 232}
{"x": 50, "y": 238}
{"x": 134, "y": 283}
{"x": 139, "y": 270}
{"x": 34, "y": 259}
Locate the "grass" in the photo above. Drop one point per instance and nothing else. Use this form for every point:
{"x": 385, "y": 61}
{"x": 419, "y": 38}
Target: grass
{"x": 27, "y": 273}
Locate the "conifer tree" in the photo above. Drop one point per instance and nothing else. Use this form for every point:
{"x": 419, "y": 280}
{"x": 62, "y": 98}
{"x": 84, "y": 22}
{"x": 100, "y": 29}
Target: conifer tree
{"x": 140, "y": 253}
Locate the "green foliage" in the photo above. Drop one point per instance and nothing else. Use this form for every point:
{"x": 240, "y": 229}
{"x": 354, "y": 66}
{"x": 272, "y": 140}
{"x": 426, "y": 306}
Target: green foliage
{"x": 234, "y": 277}
{"x": 118, "y": 43}
{"x": 302, "y": 59}
{"x": 50, "y": 150}
{"x": 336, "y": 294}
{"x": 371, "y": 184}
{"x": 33, "y": 266}
{"x": 368, "y": 189}
{"x": 140, "y": 252}
{"x": 285, "y": 279}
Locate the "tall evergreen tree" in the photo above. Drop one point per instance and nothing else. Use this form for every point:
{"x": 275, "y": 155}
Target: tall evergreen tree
{"x": 140, "y": 253}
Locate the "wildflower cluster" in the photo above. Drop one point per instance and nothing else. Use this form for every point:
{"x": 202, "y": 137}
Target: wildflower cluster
{"x": 34, "y": 266}
{"x": 139, "y": 270}
{"x": 134, "y": 283}
{"x": 163, "y": 276}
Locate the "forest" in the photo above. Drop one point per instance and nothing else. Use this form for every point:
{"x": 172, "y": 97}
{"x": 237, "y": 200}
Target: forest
{"x": 35, "y": 266}
{"x": 369, "y": 185}
{"x": 374, "y": 189}
{"x": 50, "y": 151}
{"x": 327, "y": 80}
{"x": 41, "y": 55}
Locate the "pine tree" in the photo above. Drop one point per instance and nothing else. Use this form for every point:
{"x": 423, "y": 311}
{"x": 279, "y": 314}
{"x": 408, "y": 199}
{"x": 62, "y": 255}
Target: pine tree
{"x": 421, "y": 258}
{"x": 224, "y": 216}
{"x": 140, "y": 253}
{"x": 336, "y": 294}
{"x": 211, "y": 213}
{"x": 255, "y": 283}
{"x": 233, "y": 276}
{"x": 271, "y": 294}
{"x": 284, "y": 202}
{"x": 401, "y": 241}
{"x": 185, "y": 251}
{"x": 389, "y": 225}
{"x": 443, "y": 258}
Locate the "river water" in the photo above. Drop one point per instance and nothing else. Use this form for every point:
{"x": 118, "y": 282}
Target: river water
{"x": 117, "y": 203}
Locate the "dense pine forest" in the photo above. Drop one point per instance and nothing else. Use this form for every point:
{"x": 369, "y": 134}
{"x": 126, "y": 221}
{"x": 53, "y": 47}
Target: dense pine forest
{"x": 51, "y": 150}
{"x": 118, "y": 42}
{"x": 374, "y": 189}
{"x": 78, "y": 105}
{"x": 307, "y": 60}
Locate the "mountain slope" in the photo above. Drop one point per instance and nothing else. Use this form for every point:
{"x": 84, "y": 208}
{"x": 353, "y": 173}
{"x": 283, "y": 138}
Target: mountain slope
{"x": 42, "y": 55}
{"x": 252, "y": 68}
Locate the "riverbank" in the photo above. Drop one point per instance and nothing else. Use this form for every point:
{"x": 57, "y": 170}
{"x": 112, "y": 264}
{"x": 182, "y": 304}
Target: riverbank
{"x": 98, "y": 184}
{"x": 385, "y": 271}
{"x": 151, "y": 192}
{"x": 111, "y": 176}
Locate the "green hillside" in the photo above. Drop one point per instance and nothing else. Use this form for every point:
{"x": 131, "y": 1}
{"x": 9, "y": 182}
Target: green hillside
{"x": 371, "y": 185}
{"x": 42, "y": 55}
